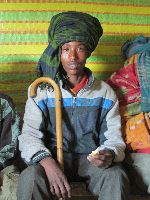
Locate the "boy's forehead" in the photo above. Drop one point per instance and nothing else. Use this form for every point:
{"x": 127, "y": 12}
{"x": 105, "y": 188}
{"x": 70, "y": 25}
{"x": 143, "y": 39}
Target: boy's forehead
{"x": 73, "y": 43}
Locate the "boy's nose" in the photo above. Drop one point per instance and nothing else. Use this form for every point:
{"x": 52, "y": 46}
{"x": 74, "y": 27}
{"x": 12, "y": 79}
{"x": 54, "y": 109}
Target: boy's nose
{"x": 73, "y": 55}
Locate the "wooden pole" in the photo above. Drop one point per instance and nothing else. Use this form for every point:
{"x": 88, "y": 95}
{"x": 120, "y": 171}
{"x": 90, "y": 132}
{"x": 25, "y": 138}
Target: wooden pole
{"x": 58, "y": 112}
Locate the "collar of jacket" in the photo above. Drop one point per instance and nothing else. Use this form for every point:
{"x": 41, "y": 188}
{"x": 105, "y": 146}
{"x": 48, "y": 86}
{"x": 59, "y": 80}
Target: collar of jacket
{"x": 90, "y": 82}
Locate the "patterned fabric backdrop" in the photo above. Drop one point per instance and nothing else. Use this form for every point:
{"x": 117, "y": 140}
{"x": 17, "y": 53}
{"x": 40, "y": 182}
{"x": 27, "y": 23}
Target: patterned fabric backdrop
{"x": 23, "y": 37}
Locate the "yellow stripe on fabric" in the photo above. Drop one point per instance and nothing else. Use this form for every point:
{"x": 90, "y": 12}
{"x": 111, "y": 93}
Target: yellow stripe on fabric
{"x": 99, "y": 67}
{"x": 38, "y": 27}
{"x": 25, "y": 27}
{"x": 125, "y": 28}
{"x": 38, "y": 49}
{"x": 21, "y": 49}
{"x": 13, "y": 86}
{"x": 93, "y": 8}
{"x": 106, "y": 50}
{"x": 13, "y": 67}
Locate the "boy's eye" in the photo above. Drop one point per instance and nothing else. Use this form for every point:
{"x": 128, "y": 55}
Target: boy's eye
{"x": 65, "y": 49}
{"x": 82, "y": 49}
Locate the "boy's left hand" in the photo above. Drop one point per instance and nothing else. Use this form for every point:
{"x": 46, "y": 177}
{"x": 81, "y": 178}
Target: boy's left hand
{"x": 102, "y": 159}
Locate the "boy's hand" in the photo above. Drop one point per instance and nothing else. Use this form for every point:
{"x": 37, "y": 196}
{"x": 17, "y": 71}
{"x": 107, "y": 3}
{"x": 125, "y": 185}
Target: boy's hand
{"x": 58, "y": 182}
{"x": 102, "y": 158}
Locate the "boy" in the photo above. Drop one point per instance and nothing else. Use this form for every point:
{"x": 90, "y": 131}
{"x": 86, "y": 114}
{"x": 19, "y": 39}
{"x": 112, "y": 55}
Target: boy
{"x": 90, "y": 120}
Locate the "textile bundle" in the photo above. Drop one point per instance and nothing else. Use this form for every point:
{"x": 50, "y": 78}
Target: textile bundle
{"x": 132, "y": 85}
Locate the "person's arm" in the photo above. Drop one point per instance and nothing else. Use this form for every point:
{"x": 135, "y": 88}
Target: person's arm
{"x": 112, "y": 145}
{"x": 113, "y": 138}
{"x": 9, "y": 130}
{"x": 33, "y": 149}
{"x": 31, "y": 141}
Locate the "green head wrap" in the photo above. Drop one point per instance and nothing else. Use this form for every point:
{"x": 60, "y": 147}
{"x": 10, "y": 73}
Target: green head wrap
{"x": 66, "y": 27}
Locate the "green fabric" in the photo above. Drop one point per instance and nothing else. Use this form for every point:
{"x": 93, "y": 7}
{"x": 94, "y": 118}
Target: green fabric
{"x": 66, "y": 27}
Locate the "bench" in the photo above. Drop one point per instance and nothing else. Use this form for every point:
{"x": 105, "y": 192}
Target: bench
{"x": 79, "y": 192}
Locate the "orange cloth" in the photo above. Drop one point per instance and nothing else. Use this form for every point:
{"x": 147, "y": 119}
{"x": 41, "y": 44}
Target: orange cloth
{"x": 137, "y": 132}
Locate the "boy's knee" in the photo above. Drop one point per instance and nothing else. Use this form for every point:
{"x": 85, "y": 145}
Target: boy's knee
{"x": 32, "y": 173}
{"x": 117, "y": 174}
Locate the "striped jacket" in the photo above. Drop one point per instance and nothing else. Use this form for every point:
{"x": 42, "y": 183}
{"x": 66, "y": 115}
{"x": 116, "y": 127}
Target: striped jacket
{"x": 9, "y": 130}
{"x": 90, "y": 120}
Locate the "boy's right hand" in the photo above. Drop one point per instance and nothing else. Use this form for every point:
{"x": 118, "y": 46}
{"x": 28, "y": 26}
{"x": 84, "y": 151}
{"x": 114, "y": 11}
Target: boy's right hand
{"x": 58, "y": 182}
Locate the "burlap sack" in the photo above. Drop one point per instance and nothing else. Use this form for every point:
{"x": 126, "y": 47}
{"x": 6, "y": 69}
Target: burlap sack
{"x": 8, "y": 183}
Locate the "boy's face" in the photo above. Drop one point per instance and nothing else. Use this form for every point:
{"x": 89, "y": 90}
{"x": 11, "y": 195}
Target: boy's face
{"x": 73, "y": 57}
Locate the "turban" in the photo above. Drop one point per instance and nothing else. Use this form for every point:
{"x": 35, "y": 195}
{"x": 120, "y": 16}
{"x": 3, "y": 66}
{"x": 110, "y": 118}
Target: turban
{"x": 66, "y": 27}
{"x": 136, "y": 46}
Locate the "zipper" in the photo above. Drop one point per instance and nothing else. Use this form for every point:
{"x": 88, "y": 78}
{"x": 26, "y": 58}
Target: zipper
{"x": 74, "y": 102}
{"x": 73, "y": 118}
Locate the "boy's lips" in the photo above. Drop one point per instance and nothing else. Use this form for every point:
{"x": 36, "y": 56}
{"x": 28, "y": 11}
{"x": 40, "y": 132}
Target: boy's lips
{"x": 73, "y": 65}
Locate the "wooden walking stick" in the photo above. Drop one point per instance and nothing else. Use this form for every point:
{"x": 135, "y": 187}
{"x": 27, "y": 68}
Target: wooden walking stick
{"x": 59, "y": 136}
